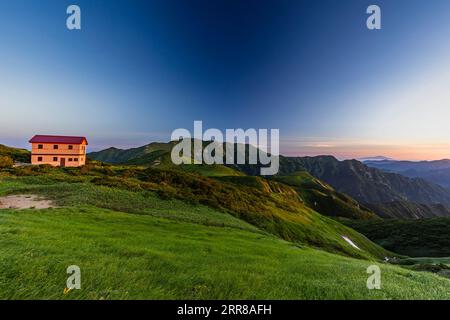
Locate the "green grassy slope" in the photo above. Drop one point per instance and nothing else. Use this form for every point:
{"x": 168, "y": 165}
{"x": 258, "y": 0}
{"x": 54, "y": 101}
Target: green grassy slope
{"x": 323, "y": 198}
{"x": 142, "y": 155}
{"x": 132, "y": 243}
{"x": 440, "y": 266}
{"x": 215, "y": 170}
{"x": 140, "y": 203}
{"x": 158, "y": 155}
{"x": 129, "y": 256}
{"x": 274, "y": 210}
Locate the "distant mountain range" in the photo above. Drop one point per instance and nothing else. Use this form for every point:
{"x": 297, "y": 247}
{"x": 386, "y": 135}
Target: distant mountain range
{"x": 389, "y": 195}
{"x": 437, "y": 171}
{"x": 365, "y": 184}
{"x": 376, "y": 158}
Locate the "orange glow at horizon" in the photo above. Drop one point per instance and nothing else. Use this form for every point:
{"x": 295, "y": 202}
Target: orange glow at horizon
{"x": 413, "y": 152}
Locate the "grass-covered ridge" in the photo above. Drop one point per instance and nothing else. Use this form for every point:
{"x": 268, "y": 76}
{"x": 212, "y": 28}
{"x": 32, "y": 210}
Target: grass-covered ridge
{"x": 386, "y": 195}
{"x": 275, "y": 209}
{"x": 323, "y": 198}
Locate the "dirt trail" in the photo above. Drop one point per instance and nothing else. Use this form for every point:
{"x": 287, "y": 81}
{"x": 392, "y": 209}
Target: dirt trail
{"x": 25, "y": 202}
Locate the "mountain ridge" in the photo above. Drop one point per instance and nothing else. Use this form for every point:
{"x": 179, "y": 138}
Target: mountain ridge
{"x": 436, "y": 171}
{"x": 16, "y": 154}
{"x": 388, "y": 194}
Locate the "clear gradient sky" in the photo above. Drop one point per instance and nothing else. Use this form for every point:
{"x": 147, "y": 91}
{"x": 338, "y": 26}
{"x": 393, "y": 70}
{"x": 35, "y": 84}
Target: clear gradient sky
{"x": 140, "y": 69}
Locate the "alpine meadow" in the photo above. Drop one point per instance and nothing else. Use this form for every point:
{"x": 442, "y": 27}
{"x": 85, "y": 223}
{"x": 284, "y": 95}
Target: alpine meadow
{"x": 218, "y": 159}
{"x": 154, "y": 230}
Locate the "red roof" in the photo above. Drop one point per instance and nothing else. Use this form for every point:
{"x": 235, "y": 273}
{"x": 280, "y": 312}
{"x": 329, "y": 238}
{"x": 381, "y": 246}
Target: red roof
{"x": 58, "y": 139}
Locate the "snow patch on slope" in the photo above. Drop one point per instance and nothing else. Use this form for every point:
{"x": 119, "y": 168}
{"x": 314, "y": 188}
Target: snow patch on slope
{"x": 350, "y": 242}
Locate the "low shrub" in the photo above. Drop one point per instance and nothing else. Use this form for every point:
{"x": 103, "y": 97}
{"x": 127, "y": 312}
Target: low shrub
{"x": 6, "y": 162}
